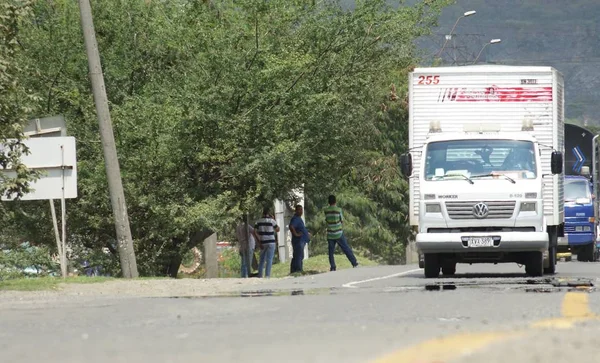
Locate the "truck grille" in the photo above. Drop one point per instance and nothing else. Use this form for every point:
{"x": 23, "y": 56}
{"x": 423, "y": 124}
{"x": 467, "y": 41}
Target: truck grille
{"x": 497, "y": 209}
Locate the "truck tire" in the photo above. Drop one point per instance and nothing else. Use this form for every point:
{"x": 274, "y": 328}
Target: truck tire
{"x": 586, "y": 253}
{"x": 535, "y": 264}
{"x": 449, "y": 269}
{"x": 552, "y": 251}
{"x": 551, "y": 269}
{"x": 432, "y": 265}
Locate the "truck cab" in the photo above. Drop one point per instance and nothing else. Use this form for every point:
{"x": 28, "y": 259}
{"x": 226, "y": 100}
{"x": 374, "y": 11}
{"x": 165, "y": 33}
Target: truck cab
{"x": 580, "y": 221}
{"x": 481, "y": 201}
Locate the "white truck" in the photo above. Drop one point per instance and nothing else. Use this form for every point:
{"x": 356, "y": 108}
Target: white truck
{"x": 485, "y": 166}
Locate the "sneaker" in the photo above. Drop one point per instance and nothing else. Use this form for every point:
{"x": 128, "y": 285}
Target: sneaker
{"x": 332, "y": 269}
{"x": 355, "y": 266}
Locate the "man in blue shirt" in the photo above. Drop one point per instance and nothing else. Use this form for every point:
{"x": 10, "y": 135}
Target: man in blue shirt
{"x": 300, "y": 237}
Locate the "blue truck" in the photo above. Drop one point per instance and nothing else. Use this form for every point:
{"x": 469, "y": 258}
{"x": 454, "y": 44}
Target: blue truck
{"x": 581, "y": 208}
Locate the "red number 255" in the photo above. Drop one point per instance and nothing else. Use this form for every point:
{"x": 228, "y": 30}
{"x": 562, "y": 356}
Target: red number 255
{"x": 429, "y": 79}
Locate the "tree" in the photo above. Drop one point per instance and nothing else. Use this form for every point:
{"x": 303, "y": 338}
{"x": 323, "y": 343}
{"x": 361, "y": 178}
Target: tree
{"x": 221, "y": 107}
{"x": 17, "y": 103}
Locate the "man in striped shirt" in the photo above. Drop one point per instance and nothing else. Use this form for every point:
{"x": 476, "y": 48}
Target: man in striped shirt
{"x": 264, "y": 230}
{"x": 335, "y": 233}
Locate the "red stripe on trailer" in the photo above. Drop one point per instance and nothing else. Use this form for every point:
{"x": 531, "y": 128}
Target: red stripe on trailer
{"x": 497, "y": 94}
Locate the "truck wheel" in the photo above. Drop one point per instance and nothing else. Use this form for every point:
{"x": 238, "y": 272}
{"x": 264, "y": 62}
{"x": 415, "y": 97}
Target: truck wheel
{"x": 586, "y": 253}
{"x": 449, "y": 269}
{"x": 551, "y": 269}
{"x": 535, "y": 264}
{"x": 432, "y": 265}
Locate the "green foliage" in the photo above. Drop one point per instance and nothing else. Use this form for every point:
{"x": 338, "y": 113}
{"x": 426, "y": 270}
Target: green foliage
{"x": 24, "y": 260}
{"x": 230, "y": 264}
{"x": 16, "y": 101}
{"x": 374, "y": 196}
{"x": 220, "y": 107}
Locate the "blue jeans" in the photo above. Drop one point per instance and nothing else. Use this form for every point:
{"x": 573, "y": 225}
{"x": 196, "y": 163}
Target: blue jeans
{"x": 345, "y": 248}
{"x": 246, "y": 257}
{"x": 266, "y": 253}
{"x": 297, "y": 256}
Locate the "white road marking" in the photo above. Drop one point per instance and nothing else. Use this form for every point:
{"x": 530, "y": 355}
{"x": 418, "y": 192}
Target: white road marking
{"x": 351, "y": 284}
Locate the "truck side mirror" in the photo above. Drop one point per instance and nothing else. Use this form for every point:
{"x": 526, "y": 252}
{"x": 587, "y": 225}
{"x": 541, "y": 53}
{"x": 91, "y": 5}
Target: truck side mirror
{"x": 406, "y": 164}
{"x": 556, "y": 162}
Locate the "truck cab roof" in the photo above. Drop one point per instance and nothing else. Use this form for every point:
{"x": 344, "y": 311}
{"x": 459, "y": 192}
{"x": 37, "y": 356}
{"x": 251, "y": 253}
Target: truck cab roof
{"x": 484, "y": 68}
{"x": 521, "y": 136}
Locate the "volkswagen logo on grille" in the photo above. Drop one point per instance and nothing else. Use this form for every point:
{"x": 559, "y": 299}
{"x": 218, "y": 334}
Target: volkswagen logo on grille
{"x": 480, "y": 210}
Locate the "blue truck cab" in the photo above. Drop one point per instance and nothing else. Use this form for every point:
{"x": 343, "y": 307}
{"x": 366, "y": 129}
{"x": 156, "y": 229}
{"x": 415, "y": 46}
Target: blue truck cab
{"x": 580, "y": 219}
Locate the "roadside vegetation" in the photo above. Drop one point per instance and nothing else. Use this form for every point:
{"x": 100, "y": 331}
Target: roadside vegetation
{"x": 47, "y": 283}
{"x": 219, "y": 108}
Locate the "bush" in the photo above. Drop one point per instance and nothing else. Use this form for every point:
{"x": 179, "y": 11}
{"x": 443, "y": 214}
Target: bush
{"x": 93, "y": 262}
{"x": 230, "y": 264}
{"x": 24, "y": 260}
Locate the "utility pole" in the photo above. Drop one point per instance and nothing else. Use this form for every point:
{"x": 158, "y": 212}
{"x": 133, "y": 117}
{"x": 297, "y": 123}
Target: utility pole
{"x": 115, "y": 185}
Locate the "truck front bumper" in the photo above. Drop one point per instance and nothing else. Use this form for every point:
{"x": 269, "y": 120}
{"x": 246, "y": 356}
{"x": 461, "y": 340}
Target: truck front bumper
{"x": 508, "y": 242}
{"x": 575, "y": 239}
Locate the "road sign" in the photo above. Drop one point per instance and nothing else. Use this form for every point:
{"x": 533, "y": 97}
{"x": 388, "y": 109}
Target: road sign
{"x": 578, "y": 149}
{"x": 54, "y": 126}
{"x": 579, "y": 159}
{"x": 55, "y": 158}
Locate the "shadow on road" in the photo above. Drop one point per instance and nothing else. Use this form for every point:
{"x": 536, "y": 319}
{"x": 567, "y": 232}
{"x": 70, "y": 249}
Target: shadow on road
{"x": 478, "y": 275}
{"x": 471, "y": 275}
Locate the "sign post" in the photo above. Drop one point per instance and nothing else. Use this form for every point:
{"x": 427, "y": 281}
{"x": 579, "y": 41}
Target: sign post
{"x": 55, "y": 158}
{"x": 53, "y": 126}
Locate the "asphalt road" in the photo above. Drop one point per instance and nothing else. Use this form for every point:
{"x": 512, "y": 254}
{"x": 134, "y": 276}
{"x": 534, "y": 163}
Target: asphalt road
{"x": 486, "y": 313}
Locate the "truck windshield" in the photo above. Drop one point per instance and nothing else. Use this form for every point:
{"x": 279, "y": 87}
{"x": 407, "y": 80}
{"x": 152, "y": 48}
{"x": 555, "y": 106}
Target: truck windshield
{"x": 486, "y": 158}
{"x": 575, "y": 189}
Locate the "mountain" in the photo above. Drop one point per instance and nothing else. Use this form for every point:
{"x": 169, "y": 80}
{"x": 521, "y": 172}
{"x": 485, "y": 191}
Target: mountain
{"x": 558, "y": 33}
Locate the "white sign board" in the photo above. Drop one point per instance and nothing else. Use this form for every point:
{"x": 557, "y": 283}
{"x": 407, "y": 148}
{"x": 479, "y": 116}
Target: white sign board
{"x": 46, "y": 127}
{"x": 56, "y": 159}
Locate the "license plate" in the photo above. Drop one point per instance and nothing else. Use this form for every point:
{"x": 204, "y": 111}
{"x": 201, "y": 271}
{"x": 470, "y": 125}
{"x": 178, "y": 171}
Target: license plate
{"x": 480, "y": 242}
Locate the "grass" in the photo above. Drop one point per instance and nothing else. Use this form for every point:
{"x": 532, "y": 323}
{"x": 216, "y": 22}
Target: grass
{"x": 51, "y": 283}
{"x": 319, "y": 264}
{"x": 47, "y": 283}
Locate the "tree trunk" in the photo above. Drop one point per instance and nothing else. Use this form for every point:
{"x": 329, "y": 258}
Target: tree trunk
{"x": 172, "y": 267}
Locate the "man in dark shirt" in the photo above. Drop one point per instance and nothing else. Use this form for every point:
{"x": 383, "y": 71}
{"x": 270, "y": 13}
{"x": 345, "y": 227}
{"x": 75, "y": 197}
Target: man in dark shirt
{"x": 300, "y": 237}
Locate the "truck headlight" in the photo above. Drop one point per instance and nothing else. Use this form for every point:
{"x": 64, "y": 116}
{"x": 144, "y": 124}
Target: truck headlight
{"x": 528, "y": 206}
{"x": 587, "y": 229}
{"x": 433, "y": 208}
